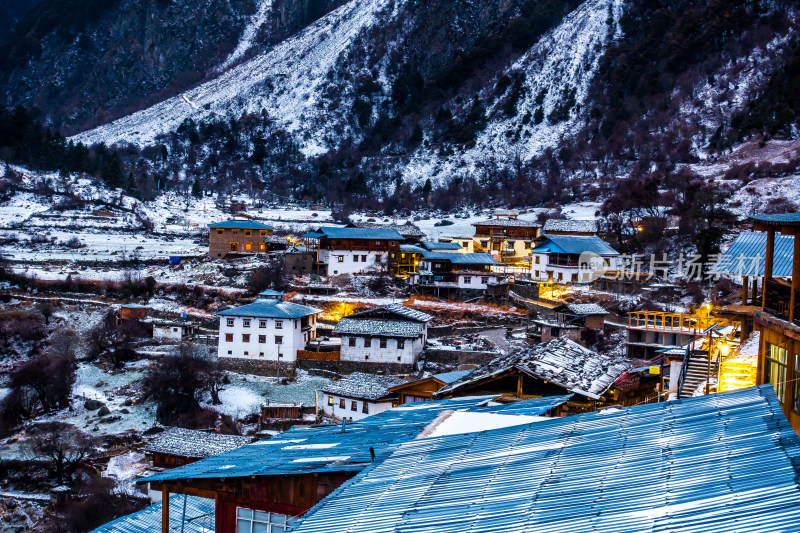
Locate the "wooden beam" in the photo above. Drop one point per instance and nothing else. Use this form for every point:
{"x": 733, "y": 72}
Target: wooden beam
{"x": 795, "y": 278}
{"x": 519, "y": 384}
{"x": 164, "y": 508}
{"x": 745, "y": 286}
{"x": 768, "y": 263}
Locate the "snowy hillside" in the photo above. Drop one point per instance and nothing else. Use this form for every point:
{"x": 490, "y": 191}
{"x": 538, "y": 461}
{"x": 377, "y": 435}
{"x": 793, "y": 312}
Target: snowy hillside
{"x": 286, "y": 81}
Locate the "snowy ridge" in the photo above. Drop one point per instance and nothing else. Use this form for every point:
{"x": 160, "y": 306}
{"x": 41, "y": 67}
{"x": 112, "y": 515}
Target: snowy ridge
{"x": 286, "y": 81}
{"x": 566, "y": 57}
{"x": 248, "y": 34}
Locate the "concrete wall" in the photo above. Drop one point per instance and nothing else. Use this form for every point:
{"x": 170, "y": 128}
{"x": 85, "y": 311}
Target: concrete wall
{"x": 167, "y": 333}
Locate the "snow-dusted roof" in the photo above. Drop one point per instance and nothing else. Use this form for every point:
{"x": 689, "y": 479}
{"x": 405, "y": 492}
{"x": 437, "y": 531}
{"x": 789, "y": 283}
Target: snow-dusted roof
{"x": 379, "y": 328}
{"x": 363, "y": 386}
{"x": 559, "y": 361}
{"x": 396, "y": 309}
{"x": 378, "y": 234}
{"x": 189, "y": 514}
{"x": 271, "y": 308}
{"x": 406, "y": 230}
{"x": 183, "y": 442}
{"x": 585, "y": 309}
{"x": 507, "y": 222}
{"x": 570, "y": 226}
{"x": 239, "y": 224}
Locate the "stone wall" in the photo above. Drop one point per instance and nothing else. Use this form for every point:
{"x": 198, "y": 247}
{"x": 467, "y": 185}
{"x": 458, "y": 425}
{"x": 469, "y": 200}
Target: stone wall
{"x": 343, "y": 368}
{"x": 259, "y": 368}
{"x": 459, "y": 357}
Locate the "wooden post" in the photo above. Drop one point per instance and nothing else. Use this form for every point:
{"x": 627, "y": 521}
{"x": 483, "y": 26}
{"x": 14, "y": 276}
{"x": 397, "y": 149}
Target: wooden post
{"x": 519, "y": 384}
{"x": 795, "y": 277}
{"x": 768, "y": 264}
{"x": 164, "y": 508}
{"x": 745, "y": 286}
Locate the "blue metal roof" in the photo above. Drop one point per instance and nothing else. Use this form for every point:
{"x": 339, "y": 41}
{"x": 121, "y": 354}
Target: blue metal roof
{"x": 718, "y": 463}
{"x": 745, "y": 257}
{"x": 450, "y": 377}
{"x": 361, "y": 233}
{"x": 575, "y": 244}
{"x": 430, "y": 245}
{"x": 780, "y": 218}
{"x": 199, "y": 517}
{"x": 269, "y": 293}
{"x": 312, "y": 235}
{"x": 271, "y": 308}
{"x": 460, "y": 259}
{"x": 326, "y": 449}
{"x": 411, "y": 248}
{"x": 239, "y": 224}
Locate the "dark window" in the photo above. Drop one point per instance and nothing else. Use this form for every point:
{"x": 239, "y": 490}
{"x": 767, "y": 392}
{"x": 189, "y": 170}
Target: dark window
{"x": 401, "y": 344}
{"x": 262, "y": 339}
{"x": 351, "y": 341}
{"x": 246, "y": 337}
{"x": 367, "y": 343}
{"x": 365, "y": 408}
{"x": 383, "y": 343}
{"x": 278, "y": 339}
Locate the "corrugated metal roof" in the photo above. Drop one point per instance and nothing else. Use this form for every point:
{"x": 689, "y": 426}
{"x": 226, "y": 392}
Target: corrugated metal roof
{"x": 559, "y": 361}
{"x": 430, "y": 245}
{"x": 193, "y": 443}
{"x": 410, "y": 248}
{"x": 199, "y": 517}
{"x": 397, "y": 309}
{"x": 575, "y": 244}
{"x": 379, "y": 328}
{"x": 361, "y": 385}
{"x": 361, "y": 233}
{"x": 716, "y": 464}
{"x": 450, "y": 377}
{"x": 269, "y": 293}
{"x": 271, "y": 308}
{"x": 582, "y": 226}
{"x": 239, "y": 224}
{"x": 460, "y": 259}
{"x": 791, "y": 218}
{"x": 745, "y": 257}
{"x": 288, "y": 452}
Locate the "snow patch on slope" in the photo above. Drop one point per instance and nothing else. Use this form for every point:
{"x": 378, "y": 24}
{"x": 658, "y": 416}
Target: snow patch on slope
{"x": 565, "y": 58}
{"x": 248, "y": 34}
{"x": 286, "y": 81}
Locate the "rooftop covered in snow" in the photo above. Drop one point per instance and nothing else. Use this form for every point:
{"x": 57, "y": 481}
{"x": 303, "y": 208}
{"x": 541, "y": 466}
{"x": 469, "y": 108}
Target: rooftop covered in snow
{"x": 239, "y": 224}
{"x": 404, "y": 329}
{"x": 560, "y": 361}
{"x": 182, "y": 442}
{"x": 363, "y": 386}
{"x": 569, "y": 226}
{"x": 581, "y": 309}
{"x": 507, "y": 223}
{"x": 395, "y": 310}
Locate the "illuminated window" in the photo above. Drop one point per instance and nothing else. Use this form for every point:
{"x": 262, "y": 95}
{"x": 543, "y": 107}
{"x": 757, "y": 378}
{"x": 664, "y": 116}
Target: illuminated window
{"x": 354, "y": 406}
{"x": 340, "y": 258}
{"x": 775, "y": 369}
{"x": 262, "y": 247}
{"x": 248, "y": 246}
{"x": 341, "y": 403}
{"x": 250, "y": 521}
{"x": 234, "y": 247}
{"x": 330, "y": 400}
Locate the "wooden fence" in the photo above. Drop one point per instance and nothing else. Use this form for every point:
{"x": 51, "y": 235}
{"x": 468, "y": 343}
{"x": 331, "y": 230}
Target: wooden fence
{"x": 318, "y": 356}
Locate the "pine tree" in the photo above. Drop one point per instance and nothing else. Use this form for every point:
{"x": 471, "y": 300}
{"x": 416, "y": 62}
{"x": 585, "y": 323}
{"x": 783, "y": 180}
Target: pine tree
{"x": 131, "y": 189}
{"x": 197, "y": 192}
{"x": 112, "y": 172}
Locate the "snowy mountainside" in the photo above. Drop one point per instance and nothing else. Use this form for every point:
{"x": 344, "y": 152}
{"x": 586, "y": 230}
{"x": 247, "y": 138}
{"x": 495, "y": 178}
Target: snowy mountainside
{"x": 563, "y": 61}
{"x": 286, "y": 81}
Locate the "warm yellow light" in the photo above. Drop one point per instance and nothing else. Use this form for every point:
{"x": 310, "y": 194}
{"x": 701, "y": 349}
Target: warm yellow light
{"x": 724, "y": 349}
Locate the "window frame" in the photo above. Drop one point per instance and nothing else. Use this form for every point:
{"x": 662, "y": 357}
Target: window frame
{"x": 278, "y": 339}
{"x": 245, "y": 337}
{"x": 231, "y": 322}
{"x": 781, "y": 370}
{"x": 229, "y": 337}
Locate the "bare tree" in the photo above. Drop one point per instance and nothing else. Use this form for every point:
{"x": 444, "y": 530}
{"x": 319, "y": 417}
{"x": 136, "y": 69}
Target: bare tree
{"x": 64, "y": 446}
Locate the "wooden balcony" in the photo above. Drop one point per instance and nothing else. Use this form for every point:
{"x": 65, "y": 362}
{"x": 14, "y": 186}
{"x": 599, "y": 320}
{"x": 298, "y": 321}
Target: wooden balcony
{"x": 777, "y": 300}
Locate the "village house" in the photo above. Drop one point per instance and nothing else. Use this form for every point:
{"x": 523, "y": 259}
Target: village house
{"x": 267, "y": 330}
{"x": 392, "y": 334}
{"x": 280, "y": 415}
{"x": 507, "y": 238}
{"x": 358, "y": 396}
{"x": 568, "y": 320}
{"x": 572, "y": 258}
{"x": 454, "y": 273}
{"x": 174, "y": 330}
{"x": 559, "y": 226}
{"x": 652, "y": 333}
{"x": 408, "y": 259}
{"x": 135, "y": 312}
{"x": 239, "y": 236}
{"x": 466, "y": 242}
{"x": 353, "y": 250}
{"x": 274, "y": 482}
{"x": 556, "y": 367}
{"x": 423, "y": 389}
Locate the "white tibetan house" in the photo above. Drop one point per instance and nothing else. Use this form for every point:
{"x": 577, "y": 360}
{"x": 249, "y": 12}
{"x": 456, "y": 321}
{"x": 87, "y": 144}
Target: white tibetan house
{"x": 359, "y": 395}
{"x": 268, "y": 329}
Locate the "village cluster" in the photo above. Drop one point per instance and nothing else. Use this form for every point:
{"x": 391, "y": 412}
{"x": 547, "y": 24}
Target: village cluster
{"x": 500, "y": 381}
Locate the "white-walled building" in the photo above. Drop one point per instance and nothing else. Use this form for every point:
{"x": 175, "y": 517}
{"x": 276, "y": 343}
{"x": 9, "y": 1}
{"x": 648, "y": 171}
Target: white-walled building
{"x": 389, "y": 334}
{"x": 455, "y": 270}
{"x": 572, "y": 259}
{"x": 268, "y": 329}
{"x": 353, "y": 250}
{"x": 359, "y": 395}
